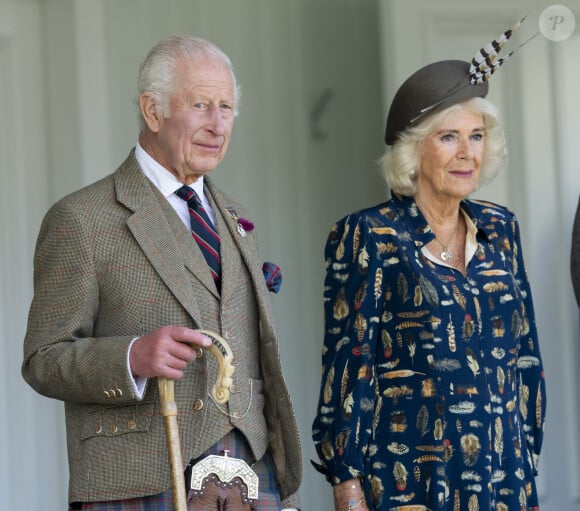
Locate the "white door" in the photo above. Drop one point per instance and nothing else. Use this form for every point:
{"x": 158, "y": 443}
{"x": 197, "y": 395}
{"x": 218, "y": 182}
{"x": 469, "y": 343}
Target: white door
{"x": 537, "y": 93}
{"x": 30, "y": 426}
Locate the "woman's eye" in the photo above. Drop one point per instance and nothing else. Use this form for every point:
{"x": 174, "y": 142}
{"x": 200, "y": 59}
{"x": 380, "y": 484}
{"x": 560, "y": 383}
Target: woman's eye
{"x": 447, "y": 137}
{"x": 477, "y": 136}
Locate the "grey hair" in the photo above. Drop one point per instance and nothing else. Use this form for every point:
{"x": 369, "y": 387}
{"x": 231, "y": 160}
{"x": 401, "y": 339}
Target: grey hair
{"x": 401, "y": 163}
{"x": 157, "y": 73}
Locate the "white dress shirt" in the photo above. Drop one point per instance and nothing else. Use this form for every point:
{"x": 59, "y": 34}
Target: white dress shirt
{"x": 167, "y": 184}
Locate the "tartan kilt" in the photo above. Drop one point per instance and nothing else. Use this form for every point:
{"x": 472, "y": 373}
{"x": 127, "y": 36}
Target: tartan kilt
{"x": 237, "y": 445}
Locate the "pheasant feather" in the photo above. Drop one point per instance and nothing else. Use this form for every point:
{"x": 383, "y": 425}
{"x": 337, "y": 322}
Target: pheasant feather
{"x": 486, "y": 61}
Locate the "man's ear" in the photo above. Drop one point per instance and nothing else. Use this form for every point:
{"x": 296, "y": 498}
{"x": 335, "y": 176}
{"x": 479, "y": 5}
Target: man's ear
{"x": 150, "y": 112}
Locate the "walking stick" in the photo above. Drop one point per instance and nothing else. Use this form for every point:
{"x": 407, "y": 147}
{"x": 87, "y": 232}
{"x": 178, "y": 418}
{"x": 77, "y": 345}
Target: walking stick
{"x": 221, "y": 392}
{"x": 169, "y": 412}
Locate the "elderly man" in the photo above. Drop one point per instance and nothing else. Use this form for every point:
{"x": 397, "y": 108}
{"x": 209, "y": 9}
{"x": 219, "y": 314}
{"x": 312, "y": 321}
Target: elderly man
{"x": 126, "y": 271}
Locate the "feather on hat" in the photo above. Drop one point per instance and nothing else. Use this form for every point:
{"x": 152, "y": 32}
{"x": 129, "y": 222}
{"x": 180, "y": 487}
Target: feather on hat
{"x": 445, "y": 83}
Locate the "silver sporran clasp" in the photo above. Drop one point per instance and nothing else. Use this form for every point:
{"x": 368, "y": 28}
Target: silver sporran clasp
{"x": 226, "y": 470}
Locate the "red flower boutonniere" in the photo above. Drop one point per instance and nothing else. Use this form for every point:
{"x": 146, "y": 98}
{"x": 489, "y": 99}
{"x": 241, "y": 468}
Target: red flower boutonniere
{"x": 244, "y": 226}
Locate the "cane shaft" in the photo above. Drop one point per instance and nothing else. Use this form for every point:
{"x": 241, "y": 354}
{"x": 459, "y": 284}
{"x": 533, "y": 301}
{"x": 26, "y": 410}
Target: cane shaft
{"x": 169, "y": 412}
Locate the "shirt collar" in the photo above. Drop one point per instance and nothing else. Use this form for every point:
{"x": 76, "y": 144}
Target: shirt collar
{"x": 164, "y": 180}
{"x": 420, "y": 229}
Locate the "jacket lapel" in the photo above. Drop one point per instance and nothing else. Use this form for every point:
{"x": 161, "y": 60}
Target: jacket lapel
{"x": 248, "y": 249}
{"x": 151, "y": 229}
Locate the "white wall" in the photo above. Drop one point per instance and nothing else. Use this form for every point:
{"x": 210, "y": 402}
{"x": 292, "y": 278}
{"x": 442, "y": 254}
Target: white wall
{"x": 31, "y": 428}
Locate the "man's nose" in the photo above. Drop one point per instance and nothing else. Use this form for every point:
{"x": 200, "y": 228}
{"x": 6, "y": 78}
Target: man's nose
{"x": 216, "y": 120}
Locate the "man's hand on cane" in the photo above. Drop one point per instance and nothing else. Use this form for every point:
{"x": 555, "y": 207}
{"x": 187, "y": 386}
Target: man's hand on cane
{"x": 166, "y": 352}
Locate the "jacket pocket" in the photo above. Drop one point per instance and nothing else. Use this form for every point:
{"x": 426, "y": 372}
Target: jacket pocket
{"x": 118, "y": 420}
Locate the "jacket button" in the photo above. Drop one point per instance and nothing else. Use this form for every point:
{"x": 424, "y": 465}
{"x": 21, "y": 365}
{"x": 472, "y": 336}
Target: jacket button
{"x": 98, "y": 429}
{"x": 114, "y": 428}
{"x": 131, "y": 424}
{"x": 107, "y": 394}
{"x": 197, "y": 405}
{"x": 198, "y": 353}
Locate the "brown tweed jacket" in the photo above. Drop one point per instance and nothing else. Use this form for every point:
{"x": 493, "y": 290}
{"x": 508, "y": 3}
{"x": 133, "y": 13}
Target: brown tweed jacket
{"x": 113, "y": 262}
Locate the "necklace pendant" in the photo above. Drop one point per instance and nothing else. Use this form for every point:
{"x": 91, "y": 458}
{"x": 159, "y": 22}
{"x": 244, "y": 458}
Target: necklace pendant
{"x": 446, "y": 255}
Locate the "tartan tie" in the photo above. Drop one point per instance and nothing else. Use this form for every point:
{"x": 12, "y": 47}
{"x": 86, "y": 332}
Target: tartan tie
{"x": 203, "y": 231}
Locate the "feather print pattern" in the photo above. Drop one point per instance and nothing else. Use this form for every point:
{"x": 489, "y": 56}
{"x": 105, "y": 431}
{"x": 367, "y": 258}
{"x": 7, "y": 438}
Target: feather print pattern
{"x": 423, "y": 421}
{"x": 340, "y": 249}
{"x": 344, "y": 382}
{"x": 451, "y": 335}
{"x": 400, "y": 473}
{"x": 386, "y": 248}
{"x": 355, "y": 240}
{"x": 378, "y": 284}
{"x": 340, "y": 307}
{"x": 360, "y": 324}
{"x": 428, "y": 374}
{"x": 360, "y": 295}
{"x": 473, "y": 503}
{"x": 363, "y": 260}
{"x": 402, "y": 287}
{"x": 498, "y": 439}
{"x": 328, "y": 386}
{"x": 418, "y": 296}
{"x": 387, "y": 344}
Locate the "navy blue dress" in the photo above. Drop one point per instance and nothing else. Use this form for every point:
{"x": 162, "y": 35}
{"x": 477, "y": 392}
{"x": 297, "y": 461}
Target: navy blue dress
{"x": 432, "y": 386}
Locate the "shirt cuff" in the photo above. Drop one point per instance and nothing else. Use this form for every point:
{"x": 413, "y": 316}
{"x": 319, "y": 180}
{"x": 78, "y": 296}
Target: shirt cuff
{"x": 138, "y": 383}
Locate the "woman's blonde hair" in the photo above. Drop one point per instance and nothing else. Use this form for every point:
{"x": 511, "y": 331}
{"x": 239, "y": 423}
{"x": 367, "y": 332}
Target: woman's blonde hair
{"x": 401, "y": 163}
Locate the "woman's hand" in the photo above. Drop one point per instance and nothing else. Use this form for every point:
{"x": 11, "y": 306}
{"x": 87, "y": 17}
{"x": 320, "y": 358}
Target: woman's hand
{"x": 349, "y": 496}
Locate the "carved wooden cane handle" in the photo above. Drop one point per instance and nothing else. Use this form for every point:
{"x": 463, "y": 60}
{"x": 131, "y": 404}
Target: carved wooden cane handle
{"x": 221, "y": 392}
{"x": 223, "y": 353}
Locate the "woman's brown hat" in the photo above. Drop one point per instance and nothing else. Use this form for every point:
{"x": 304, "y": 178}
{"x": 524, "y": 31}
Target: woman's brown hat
{"x": 428, "y": 90}
{"x": 445, "y": 83}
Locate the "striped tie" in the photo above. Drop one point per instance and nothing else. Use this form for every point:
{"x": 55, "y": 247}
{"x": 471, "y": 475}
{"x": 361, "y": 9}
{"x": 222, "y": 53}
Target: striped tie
{"x": 203, "y": 231}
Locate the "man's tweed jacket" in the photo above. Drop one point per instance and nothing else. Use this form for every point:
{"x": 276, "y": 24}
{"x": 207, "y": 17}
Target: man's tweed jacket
{"x": 113, "y": 262}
